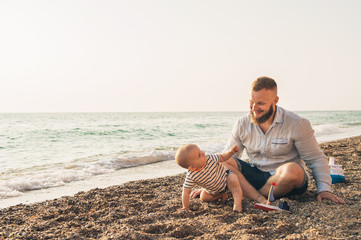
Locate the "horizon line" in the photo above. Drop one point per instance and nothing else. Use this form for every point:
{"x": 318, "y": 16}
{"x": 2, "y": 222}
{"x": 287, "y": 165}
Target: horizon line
{"x": 193, "y": 111}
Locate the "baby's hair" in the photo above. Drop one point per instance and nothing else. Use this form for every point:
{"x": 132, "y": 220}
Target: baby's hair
{"x": 182, "y": 156}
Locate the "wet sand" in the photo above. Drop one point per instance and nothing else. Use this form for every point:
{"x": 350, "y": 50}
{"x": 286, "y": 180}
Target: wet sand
{"x": 149, "y": 209}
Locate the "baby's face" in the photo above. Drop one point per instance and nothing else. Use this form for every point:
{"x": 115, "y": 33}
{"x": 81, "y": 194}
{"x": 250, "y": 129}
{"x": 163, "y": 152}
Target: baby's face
{"x": 198, "y": 159}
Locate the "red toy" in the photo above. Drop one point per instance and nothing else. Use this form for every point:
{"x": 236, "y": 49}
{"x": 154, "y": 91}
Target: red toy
{"x": 268, "y": 207}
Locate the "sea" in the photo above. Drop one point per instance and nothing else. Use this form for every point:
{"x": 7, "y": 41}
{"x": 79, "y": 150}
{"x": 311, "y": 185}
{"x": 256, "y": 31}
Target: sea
{"x": 48, "y": 155}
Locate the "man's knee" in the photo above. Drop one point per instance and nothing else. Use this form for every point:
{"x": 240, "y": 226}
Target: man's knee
{"x": 291, "y": 173}
{"x": 231, "y": 162}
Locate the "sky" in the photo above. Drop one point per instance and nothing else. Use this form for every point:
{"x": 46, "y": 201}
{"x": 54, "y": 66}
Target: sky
{"x": 177, "y": 55}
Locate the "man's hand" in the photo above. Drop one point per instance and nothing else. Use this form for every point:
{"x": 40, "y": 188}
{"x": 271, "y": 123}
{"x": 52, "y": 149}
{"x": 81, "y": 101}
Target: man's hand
{"x": 330, "y": 196}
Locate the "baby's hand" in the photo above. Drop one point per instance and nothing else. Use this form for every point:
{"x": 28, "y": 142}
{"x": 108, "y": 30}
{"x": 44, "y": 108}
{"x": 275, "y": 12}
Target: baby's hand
{"x": 234, "y": 149}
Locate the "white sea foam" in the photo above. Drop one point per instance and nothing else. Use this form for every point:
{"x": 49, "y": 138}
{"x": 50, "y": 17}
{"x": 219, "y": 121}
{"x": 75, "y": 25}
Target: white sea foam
{"x": 49, "y": 176}
{"x": 19, "y": 184}
{"x": 327, "y": 129}
{"x": 56, "y": 175}
{"x": 140, "y": 159}
{"x": 333, "y": 132}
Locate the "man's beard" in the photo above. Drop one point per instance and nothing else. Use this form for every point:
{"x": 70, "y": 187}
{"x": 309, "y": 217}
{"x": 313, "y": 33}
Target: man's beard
{"x": 263, "y": 118}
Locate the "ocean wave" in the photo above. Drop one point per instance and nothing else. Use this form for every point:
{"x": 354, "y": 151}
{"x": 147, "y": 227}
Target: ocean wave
{"x": 131, "y": 160}
{"x": 73, "y": 147}
{"x": 352, "y": 124}
{"x": 203, "y": 125}
{"x": 15, "y": 183}
{"x": 327, "y": 129}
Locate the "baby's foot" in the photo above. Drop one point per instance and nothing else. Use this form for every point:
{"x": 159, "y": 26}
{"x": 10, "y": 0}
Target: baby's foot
{"x": 237, "y": 208}
{"x": 224, "y": 197}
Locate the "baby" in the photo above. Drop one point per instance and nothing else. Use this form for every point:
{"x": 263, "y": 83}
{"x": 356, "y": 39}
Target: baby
{"x": 207, "y": 172}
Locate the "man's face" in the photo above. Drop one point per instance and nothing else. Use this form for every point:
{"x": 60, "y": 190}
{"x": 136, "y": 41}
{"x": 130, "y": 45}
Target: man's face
{"x": 262, "y": 105}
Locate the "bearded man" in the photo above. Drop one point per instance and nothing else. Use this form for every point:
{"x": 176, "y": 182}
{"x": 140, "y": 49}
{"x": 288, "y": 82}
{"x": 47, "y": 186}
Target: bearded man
{"x": 278, "y": 144}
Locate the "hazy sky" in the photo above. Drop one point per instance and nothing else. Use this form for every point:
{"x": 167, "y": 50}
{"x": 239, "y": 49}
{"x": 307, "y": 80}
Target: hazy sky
{"x": 177, "y": 55}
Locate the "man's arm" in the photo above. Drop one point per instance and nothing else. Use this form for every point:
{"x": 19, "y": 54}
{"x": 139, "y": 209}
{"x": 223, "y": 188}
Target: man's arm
{"x": 310, "y": 152}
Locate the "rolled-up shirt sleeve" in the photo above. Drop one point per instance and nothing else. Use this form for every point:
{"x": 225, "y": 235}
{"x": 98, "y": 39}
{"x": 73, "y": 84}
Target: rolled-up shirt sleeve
{"x": 310, "y": 152}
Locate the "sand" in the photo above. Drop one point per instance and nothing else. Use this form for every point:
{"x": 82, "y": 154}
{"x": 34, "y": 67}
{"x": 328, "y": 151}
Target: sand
{"x": 149, "y": 209}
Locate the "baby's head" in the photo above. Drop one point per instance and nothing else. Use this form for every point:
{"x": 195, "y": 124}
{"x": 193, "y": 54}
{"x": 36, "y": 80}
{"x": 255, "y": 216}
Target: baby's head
{"x": 187, "y": 155}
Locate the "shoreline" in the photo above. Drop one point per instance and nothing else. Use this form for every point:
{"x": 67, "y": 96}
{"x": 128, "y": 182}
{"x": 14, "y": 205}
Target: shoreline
{"x": 121, "y": 176}
{"x": 148, "y": 209}
{"x": 148, "y": 171}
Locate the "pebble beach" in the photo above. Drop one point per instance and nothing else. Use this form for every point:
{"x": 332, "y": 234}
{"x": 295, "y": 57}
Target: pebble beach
{"x": 149, "y": 209}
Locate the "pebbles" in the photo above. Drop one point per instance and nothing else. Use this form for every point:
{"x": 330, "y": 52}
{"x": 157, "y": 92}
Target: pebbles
{"x": 148, "y": 209}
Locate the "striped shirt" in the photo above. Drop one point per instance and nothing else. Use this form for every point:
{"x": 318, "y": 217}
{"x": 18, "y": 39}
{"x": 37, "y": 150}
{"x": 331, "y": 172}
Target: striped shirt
{"x": 212, "y": 177}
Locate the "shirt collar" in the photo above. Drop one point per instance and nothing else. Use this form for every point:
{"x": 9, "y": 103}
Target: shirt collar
{"x": 279, "y": 117}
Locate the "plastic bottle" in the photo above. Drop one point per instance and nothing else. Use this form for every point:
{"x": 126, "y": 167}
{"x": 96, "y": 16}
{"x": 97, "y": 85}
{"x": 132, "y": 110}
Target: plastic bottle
{"x": 336, "y": 171}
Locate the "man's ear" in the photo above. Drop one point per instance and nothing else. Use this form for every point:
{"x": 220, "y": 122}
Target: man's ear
{"x": 276, "y": 99}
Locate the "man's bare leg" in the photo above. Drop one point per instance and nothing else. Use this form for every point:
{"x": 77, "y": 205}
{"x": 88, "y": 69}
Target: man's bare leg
{"x": 287, "y": 177}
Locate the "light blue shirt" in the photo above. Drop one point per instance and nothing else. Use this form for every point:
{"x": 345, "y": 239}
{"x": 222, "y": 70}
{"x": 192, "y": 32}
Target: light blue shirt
{"x": 289, "y": 139}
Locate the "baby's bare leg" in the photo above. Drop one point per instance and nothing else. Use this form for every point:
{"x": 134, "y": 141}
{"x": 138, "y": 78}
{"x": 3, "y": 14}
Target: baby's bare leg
{"x": 247, "y": 189}
{"x": 207, "y": 197}
{"x": 234, "y": 186}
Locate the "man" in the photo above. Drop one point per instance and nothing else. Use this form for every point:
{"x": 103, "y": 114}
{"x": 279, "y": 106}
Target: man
{"x": 278, "y": 143}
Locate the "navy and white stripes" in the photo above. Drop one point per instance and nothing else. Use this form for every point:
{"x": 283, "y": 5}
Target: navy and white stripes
{"x": 212, "y": 177}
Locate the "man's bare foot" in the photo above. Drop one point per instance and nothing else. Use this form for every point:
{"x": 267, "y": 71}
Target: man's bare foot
{"x": 262, "y": 200}
{"x": 224, "y": 197}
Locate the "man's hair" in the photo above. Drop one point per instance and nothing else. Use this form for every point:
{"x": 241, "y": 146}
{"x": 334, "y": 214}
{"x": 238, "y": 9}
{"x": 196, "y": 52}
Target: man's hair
{"x": 182, "y": 156}
{"x": 264, "y": 83}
